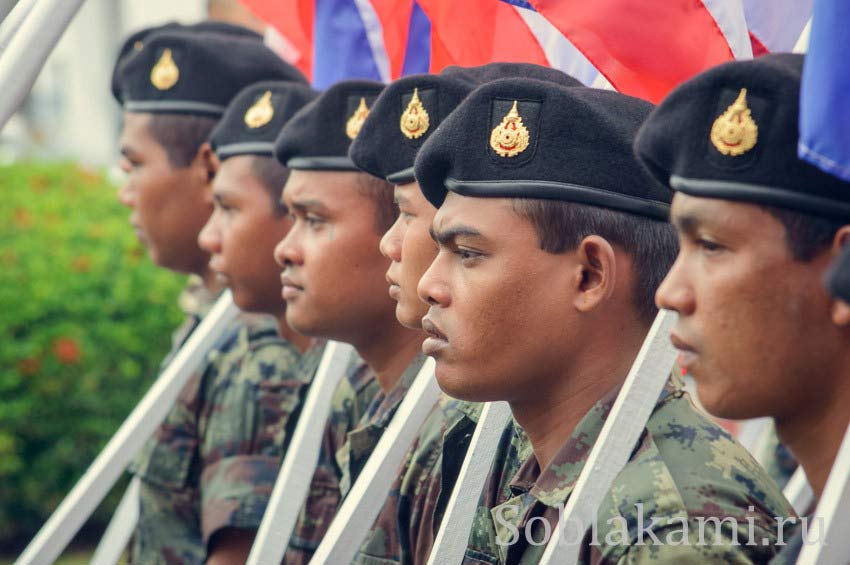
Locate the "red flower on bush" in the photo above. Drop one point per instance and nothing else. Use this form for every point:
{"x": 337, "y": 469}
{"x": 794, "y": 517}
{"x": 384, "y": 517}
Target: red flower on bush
{"x": 29, "y": 366}
{"x": 67, "y": 350}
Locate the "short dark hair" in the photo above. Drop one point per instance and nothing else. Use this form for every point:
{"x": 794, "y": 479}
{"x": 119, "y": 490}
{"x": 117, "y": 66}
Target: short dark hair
{"x": 806, "y": 235}
{"x": 181, "y": 135}
{"x": 386, "y": 209}
{"x": 652, "y": 244}
{"x": 273, "y": 175}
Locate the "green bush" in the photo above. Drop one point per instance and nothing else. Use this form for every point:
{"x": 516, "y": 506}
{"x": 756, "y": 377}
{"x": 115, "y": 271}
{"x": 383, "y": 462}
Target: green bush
{"x": 85, "y": 319}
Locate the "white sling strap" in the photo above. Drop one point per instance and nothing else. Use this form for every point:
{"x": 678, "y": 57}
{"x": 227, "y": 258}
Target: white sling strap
{"x": 798, "y": 491}
{"x": 107, "y": 468}
{"x": 453, "y": 536}
{"x": 120, "y": 529}
{"x": 369, "y": 492}
{"x": 616, "y": 441}
{"x": 299, "y": 463}
{"x": 828, "y": 541}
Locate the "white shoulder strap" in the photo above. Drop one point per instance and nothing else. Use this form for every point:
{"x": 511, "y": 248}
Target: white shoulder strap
{"x": 102, "y": 474}
{"x": 828, "y": 541}
{"x": 453, "y": 536}
{"x": 299, "y": 463}
{"x": 617, "y": 440}
{"x": 369, "y": 492}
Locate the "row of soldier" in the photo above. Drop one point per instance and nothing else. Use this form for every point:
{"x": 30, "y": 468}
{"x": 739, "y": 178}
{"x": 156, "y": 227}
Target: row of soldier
{"x": 513, "y": 225}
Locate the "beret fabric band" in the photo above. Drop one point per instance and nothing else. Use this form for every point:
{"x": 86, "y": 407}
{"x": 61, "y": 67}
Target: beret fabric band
{"x": 411, "y": 108}
{"x": 731, "y": 133}
{"x": 522, "y": 138}
{"x": 254, "y": 119}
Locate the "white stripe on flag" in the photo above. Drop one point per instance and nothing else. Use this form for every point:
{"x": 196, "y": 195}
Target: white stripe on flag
{"x": 560, "y": 53}
{"x": 729, "y": 15}
{"x": 778, "y": 23}
{"x": 375, "y": 35}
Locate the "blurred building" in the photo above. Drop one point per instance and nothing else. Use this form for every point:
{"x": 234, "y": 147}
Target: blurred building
{"x": 70, "y": 113}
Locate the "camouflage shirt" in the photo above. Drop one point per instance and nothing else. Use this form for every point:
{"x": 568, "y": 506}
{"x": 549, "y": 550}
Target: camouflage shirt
{"x": 359, "y": 416}
{"x": 405, "y": 529}
{"x": 685, "y": 470}
{"x": 213, "y": 462}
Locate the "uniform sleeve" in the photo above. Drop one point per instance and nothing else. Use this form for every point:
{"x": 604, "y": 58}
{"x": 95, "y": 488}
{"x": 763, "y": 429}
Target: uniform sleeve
{"x": 249, "y": 412}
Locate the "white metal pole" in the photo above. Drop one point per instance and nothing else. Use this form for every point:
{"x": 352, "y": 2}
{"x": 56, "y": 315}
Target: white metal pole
{"x": 13, "y": 20}
{"x": 107, "y": 468}
{"x": 24, "y": 57}
{"x": 120, "y": 529}
{"x": 366, "y": 498}
{"x": 299, "y": 463}
{"x": 453, "y": 536}
{"x": 617, "y": 439}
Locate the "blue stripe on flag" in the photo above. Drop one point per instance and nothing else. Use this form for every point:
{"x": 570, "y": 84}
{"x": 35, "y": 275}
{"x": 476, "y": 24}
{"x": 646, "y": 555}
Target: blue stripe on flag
{"x": 824, "y": 98}
{"x": 520, "y": 3}
{"x": 417, "y": 57}
{"x": 341, "y": 48}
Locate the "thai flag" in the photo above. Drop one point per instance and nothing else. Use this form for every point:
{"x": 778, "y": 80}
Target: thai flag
{"x": 776, "y": 25}
{"x": 824, "y": 98}
{"x": 331, "y": 40}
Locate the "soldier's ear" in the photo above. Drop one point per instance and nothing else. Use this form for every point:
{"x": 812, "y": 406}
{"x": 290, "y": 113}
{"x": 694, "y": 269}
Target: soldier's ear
{"x": 206, "y": 163}
{"x": 598, "y": 273}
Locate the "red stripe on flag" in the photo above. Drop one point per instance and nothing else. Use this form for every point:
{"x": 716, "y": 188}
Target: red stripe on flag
{"x": 476, "y": 32}
{"x": 394, "y": 16}
{"x": 758, "y": 47}
{"x": 294, "y": 20}
{"x": 644, "y": 48}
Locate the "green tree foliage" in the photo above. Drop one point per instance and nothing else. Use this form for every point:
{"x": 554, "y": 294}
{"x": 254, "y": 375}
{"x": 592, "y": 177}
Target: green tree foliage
{"x": 85, "y": 319}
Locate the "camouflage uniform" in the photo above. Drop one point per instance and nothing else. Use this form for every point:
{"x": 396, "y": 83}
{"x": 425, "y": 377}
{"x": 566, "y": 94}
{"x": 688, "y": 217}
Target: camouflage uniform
{"x": 350, "y": 436}
{"x": 214, "y": 460}
{"x": 684, "y": 468}
{"x": 404, "y": 530}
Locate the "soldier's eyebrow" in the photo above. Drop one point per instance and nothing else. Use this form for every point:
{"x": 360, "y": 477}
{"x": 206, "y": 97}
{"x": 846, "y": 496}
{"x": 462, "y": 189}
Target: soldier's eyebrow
{"x": 687, "y": 224}
{"x": 305, "y": 206}
{"x": 447, "y": 236}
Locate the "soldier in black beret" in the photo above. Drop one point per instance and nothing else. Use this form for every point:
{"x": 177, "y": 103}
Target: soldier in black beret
{"x": 406, "y": 114}
{"x": 551, "y": 243}
{"x": 334, "y": 288}
{"x": 173, "y": 90}
{"x": 758, "y": 229}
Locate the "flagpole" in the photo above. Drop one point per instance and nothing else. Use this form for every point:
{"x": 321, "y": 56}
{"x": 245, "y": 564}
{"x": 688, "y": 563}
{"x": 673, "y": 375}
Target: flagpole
{"x": 12, "y": 21}
{"x": 28, "y": 49}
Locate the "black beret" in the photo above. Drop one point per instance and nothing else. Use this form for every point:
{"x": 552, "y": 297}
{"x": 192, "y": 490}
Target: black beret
{"x": 136, "y": 41}
{"x": 318, "y": 137}
{"x": 411, "y": 108}
{"x": 523, "y": 138}
{"x": 190, "y": 73}
{"x": 731, "y": 132}
{"x": 254, "y": 119}
{"x": 838, "y": 279}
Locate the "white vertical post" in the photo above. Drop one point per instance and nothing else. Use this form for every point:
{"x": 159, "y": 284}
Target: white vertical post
{"x": 617, "y": 439}
{"x": 798, "y": 491}
{"x": 366, "y": 498}
{"x": 828, "y": 542}
{"x": 121, "y": 527}
{"x": 299, "y": 463}
{"x": 27, "y": 51}
{"x": 453, "y": 536}
{"x": 106, "y": 469}
{"x": 13, "y": 20}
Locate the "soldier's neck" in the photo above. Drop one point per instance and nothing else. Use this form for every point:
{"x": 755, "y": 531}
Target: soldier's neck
{"x": 550, "y": 413}
{"x": 815, "y": 435}
{"x": 388, "y": 354}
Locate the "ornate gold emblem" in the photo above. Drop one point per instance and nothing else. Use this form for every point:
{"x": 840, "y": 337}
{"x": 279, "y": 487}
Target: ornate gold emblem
{"x": 165, "y": 73}
{"x": 511, "y": 137}
{"x": 261, "y": 112}
{"x": 735, "y": 132}
{"x": 355, "y": 122}
{"x": 415, "y": 119}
